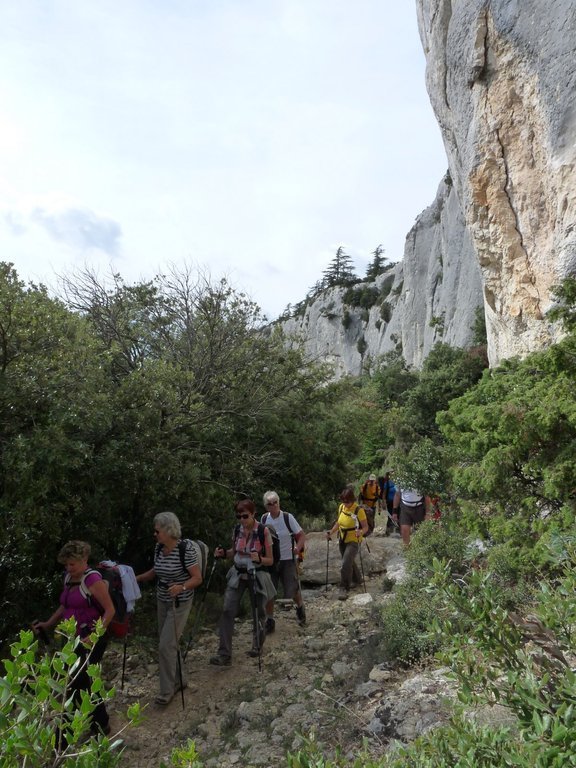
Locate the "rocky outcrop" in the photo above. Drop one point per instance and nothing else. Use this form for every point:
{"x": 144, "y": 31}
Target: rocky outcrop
{"x": 432, "y": 295}
{"x": 501, "y": 77}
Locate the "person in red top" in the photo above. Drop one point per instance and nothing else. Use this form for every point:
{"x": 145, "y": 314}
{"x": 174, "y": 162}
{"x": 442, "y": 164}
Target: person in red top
{"x": 85, "y": 597}
{"x": 251, "y": 555}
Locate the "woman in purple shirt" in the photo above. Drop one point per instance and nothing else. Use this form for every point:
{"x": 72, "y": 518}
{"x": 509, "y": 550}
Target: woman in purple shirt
{"x": 85, "y": 597}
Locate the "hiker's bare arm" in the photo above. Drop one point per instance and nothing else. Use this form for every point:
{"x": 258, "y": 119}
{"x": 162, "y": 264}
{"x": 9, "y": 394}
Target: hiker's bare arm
{"x": 299, "y": 542}
{"x": 147, "y": 575}
{"x": 52, "y": 621}
{"x": 364, "y": 525}
{"x": 223, "y": 553}
{"x": 99, "y": 589}
{"x": 332, "y": 530}
{"x": 195, "y": 577}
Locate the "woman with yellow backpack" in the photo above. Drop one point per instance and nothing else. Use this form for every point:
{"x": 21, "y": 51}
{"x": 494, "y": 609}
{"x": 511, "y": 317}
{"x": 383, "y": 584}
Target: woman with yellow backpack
{"x": 351, "y": 526}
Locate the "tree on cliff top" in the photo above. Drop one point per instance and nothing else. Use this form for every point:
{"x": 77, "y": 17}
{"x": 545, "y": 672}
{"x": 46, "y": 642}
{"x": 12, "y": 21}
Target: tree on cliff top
{"x": 340, "y": 271}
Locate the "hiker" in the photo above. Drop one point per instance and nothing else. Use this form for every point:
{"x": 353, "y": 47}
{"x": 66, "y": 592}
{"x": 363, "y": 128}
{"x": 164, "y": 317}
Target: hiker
{"x": 351, "y": 525}
{"x": 411, "y": 507}
{"x": 177, "y": 575}
{"x": 251, "y": 551}
{"x": 387, "y": 493}
{"x": 292, "y": 541}
{"x": 85, "y": 598}
{"x": 370, "y": 493}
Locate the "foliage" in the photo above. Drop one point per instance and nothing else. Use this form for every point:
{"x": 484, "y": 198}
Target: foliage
{"x": 404, "y": 624}
{"x": 35, "y": 706}
{"x": 340, "y": 271}
{"x": 479, "y": 327}
{"x": 518, "y": 661}
{"x": 364, "y": 296}
{"x": 385, "y": 311}
{"x": 133, "y": 399}
{"x": 378, "y": 265}
{"x": 346, "y": 319}
{"x": 513, "y": 435}
{"x": 424, "y": 468}
{"x": 185, "y": 756}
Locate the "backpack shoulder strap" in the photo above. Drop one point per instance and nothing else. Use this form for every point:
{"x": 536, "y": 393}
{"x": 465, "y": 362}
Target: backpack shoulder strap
{"x": 264, "y": 518}
{"x": 262, "y": 533}
{"x": 84, "y": 590}
{"x": 182, "y": 553}
{"x": 287, "y": 522}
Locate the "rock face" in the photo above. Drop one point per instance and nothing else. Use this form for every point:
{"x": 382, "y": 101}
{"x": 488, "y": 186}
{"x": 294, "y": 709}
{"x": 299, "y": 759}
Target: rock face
{"x": 432, "y": 295}
{"x": 501, "y": 75}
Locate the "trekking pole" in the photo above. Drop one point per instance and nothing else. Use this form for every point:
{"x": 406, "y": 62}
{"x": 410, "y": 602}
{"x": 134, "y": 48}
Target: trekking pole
{"x": 255, "y": 618}
{"x": 178, "y": 657}
{"x": 362, "y": 566}
{"x": 198, "y": 615}
{"x": 123, "y": 665}
{"x": 357, "y": 526}
{"x": 392, "y": 519}
{"x": 327, "y": 558}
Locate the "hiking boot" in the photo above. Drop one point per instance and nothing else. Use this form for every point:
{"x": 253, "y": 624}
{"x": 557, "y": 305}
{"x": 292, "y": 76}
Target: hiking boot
{"x": 220, "y": 661}
{"x": 343, "y": 594}
{"x": 270, "y": 625}
{"x": 301, "y": 614}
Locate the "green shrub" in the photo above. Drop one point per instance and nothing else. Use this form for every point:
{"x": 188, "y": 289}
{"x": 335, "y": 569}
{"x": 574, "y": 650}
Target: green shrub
{"x": 346, "y": 319}
{"x": 432, "y": 540}
{"x": 364, "y": 296}
{"x": 385, "y": 311}
{"x": 405, "y": 624}
{"x": 35, "y": 702}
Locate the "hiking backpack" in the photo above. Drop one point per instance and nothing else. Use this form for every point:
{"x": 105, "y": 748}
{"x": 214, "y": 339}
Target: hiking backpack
{"x": 264, "y": 521}
{"x": 200, "y": 548}
{"x": 261, "y": 538}
{"x": 120, "y": 623}
{"x": 370, "y": 518}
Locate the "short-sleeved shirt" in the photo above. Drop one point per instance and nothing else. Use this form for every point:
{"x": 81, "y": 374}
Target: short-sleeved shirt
{"x": 85, "y": 610}
{"x": 285, "y": 534}
{"x": 168, "y": 570}
{"x": 347, "y": 523}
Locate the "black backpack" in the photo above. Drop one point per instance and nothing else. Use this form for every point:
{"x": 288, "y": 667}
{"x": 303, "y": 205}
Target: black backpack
{"x": 262, "y": 539}
{"x": 200, "y": 548}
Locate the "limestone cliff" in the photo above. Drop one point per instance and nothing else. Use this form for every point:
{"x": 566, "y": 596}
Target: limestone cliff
{"x": 501, "y": 75}
{"x": 431, "y": 296}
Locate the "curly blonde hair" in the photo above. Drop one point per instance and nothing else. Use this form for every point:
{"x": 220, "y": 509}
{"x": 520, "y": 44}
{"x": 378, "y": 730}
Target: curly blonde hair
{"x": 74, "y": 550}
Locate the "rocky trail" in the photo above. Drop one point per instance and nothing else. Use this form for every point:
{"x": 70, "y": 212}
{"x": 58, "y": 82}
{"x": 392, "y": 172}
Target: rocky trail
{"x": 324, "y": 678}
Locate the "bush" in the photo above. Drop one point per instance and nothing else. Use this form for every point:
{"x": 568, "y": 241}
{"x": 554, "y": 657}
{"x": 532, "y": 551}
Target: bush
{"x": 364, "y": 297}
{"x": 385, "y": 311}
{"x": 405, "y": 624}
{"x": 430, "y": 541}
{"x": 35, "y": 703}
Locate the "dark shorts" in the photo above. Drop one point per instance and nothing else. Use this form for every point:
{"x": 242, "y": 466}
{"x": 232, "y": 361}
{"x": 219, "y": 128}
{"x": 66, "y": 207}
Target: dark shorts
{"x": 412, "y": 515}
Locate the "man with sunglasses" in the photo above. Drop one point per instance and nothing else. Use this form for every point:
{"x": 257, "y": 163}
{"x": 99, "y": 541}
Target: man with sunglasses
{"x": 251, "y": 551}
{"x": 292, "y": 541}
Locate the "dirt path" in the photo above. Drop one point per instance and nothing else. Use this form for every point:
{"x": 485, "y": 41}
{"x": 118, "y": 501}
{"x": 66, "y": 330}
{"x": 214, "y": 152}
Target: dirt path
{"x": 240, "y": 716}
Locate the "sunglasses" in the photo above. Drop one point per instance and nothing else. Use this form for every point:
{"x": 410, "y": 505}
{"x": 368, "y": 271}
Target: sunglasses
{"x": 243, "y": 517}
{"x": 156, "y": 532}
{"x": 271, "y": 503}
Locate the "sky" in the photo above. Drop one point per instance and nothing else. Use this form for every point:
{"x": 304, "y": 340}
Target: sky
{"x": 248, "y": 139}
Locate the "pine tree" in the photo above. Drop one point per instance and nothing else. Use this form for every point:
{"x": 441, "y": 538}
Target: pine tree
{"x": 340, "y": 271}
{"x": 378, "y": 264}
